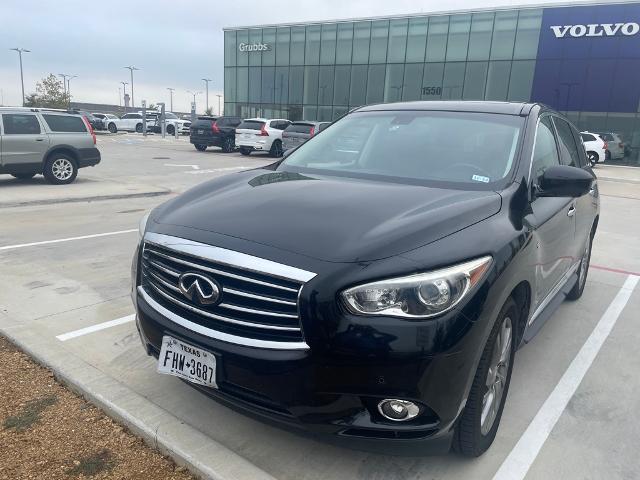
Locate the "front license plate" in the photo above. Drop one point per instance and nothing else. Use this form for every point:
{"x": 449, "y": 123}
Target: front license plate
{"x": 186, "y": 361}
{"x": 200, "y": 132}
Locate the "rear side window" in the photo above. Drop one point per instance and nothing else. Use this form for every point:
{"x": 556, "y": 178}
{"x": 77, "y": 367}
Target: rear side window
{"x": 545, "y": 153}
{"x": 20, "y": 124}
{"x": 251, "y": 125}
{"x": 299, "y": 128}
{"x": 607, "y": 136}
{"x": 65, "y": 123}
{"x": 569, "y": 153}
{"x": 587, "y": 138}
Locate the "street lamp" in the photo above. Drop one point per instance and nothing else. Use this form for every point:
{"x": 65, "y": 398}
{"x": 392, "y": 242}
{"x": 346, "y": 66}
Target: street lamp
{"x": 124, "y": 94}
{"x": 194, "y": 95}
{"x": 219, "y": 111}
{"x": 20, "y": 52}
{"x": 131, "y": 69}
{"x": 206, "y": 83}
{"x": 69, "y": 88}
{"x": 170, "y": 98}
{"x": 64, "y": 81}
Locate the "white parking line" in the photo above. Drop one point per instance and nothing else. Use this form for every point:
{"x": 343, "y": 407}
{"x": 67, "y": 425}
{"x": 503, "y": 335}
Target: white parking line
{"x": 70, "y": 239}
{"x": 95, "y": 328}
{"x": 517, "y": 464}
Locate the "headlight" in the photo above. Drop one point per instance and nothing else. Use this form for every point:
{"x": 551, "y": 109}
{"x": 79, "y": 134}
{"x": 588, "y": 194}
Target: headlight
{"x": 143, "y": 225}
{"x": 417, "y": 296}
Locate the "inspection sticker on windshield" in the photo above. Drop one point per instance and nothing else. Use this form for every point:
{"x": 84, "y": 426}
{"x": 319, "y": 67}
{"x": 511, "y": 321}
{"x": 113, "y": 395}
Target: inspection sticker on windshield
{"x": 480, "y": 178}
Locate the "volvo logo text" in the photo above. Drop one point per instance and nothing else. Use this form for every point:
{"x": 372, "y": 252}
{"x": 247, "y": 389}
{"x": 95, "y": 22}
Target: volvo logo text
{"x": 199, "y": 289}
{"x": 596, "y": 30}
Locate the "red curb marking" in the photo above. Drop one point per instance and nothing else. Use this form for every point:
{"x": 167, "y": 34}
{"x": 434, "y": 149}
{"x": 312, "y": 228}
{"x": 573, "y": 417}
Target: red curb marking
{"x": 616, "y": 270}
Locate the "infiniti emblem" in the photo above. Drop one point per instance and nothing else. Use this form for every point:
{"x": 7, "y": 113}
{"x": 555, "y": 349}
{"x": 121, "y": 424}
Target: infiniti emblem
{"x": 198, "y": 288}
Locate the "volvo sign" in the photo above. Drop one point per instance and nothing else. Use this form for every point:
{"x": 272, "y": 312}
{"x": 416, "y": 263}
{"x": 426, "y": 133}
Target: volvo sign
{"x": 596, "y": 30}
{"x": 254, "y": 47}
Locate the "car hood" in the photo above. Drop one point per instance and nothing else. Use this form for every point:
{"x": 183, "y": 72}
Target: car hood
{"x": 332, "y": 219}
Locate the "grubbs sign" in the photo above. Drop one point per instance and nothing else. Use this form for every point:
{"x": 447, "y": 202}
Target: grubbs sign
{"x": 254, "y": 47}
{"x": 596, "y": 30}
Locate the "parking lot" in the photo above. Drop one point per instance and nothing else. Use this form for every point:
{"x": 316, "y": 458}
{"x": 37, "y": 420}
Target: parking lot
{"x": 65, "y": 257}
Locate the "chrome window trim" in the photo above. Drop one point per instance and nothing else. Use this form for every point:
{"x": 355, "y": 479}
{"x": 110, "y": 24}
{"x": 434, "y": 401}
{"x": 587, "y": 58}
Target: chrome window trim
{"x": 229, "y": 257}
{"x": 224, "y": 337}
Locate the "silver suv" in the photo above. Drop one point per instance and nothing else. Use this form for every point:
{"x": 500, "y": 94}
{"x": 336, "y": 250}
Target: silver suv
{"x": 51, "y": 142}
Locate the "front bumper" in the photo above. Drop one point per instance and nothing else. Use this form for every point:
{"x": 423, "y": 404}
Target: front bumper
{"x": 333, "y": 395}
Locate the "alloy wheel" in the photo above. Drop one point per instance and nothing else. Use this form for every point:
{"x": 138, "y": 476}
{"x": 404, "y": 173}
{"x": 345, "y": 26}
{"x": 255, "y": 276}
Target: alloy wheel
{"x": 62, "y": 169}
{"x": 496, "y": 376}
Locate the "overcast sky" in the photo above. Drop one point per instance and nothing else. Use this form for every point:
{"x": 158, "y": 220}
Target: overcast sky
{"x": 174, "y": 43}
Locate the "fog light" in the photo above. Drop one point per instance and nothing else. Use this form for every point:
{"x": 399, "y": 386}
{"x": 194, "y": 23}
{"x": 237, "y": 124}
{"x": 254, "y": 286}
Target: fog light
{"x": 398, "y": 410}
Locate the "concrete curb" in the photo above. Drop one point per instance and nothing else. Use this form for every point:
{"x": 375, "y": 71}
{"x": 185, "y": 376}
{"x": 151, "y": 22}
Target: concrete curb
{"x": 98, "y": 198}
{"x": 157, "y": 427}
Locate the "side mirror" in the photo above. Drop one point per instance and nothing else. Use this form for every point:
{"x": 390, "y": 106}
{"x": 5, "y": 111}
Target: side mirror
{"x": 564, "y": 181}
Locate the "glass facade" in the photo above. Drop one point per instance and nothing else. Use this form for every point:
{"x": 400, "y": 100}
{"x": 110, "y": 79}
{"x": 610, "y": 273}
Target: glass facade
{"x": 320, "y": 71}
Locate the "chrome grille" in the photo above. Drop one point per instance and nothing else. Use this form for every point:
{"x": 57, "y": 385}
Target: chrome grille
{"x": 259, "y": 298}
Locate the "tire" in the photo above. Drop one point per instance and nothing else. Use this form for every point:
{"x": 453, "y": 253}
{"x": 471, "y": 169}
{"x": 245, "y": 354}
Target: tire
{"x": 200, "y": 148}
{"x": 60, "y": 169}
{"x": 583, "y": 270}
{"x": 607, "y": 156}
{"x": 479, "y": 422}
{"x": 112, "y": 128}
{"x": 228, "y": 145}
{"x": 23, "y": 176}
{"x": 593, "y": 158}
{"x": 245, "y": 151}
{"x": 139, "y": 128}
{"x": 276, "y": 149}
{"x": 171, "y": 130}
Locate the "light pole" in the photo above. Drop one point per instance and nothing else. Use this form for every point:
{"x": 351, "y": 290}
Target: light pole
{"x": 131, "y": 69}
{"x": 69, "y": 88}
{"x": 170, "y": 98}
{"x": 206, "y": 83}
{"x": 20, "y": 52}
{"x": 219, "y": 111}
{"x": 64, "y": 81}
{"x": 124, "y": 94}
{"x": 194, "y": 95}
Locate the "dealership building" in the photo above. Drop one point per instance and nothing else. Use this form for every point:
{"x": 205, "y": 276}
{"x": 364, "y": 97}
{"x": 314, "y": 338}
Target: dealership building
{"x": 581, "y": 58}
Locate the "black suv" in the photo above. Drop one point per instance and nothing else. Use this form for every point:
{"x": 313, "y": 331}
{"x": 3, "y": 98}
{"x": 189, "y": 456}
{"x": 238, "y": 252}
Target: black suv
{"x": 220, "y": 132}
{"x": 375, "y": 284}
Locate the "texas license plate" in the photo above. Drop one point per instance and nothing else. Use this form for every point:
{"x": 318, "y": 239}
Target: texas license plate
{"x": 200, "y": 132}
{"x": 182, "y": 360}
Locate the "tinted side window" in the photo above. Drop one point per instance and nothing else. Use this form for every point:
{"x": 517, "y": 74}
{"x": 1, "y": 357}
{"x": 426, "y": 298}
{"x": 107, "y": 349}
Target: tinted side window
{"x": 587, "y": 138}
{"x": 20, "y": 124}
{"x": 299, "y": 128}
{"x": 64, "y": 123}
{"x": 545, "y": 153}
{"x": 568, "y": 148}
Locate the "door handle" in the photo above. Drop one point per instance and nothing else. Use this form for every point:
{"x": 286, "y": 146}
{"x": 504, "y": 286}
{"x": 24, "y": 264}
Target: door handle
{"x": 572, "y": 211}
{"x": 39, "y": 139}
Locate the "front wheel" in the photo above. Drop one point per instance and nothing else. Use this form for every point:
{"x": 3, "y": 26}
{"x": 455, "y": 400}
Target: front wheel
{"x": 228, "y": 145}
{"x": 112, "y": 128}
{"x": 60, "y": 169}
{"x": 276, "y": 149}
{"x": 478, "y": 424}
{"x": 171, "y": 130}
{"x": 139, "y": 128}
{"x": 583, "y": 270}
{"x": 200, "y": 148}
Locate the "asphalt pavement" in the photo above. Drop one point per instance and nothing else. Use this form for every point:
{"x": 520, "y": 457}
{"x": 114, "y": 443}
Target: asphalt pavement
{"x": 65, "y": 256}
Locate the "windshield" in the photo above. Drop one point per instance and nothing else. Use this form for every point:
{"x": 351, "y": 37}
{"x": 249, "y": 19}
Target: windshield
{"x": 460, "y": 147}
{"x": 173, "y": 116}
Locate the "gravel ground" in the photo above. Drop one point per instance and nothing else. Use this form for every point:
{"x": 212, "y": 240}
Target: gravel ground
{"x": 49, "y": 432}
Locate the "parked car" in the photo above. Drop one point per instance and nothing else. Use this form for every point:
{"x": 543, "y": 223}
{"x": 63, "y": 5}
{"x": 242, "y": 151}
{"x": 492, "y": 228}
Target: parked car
{"x": 299, "y": 132}
{"x": 172, "y": 121}
{"x": 595, "y": 147}
{"x": 129, "y": 122}
{"x": 261, "y": 135}
{"x": 376, "y": 294}
{"x": 103, "y": 120}
{"x": 209, "y": 131}
{"x": 96, "y": 123}
{"x": 51, "y": 142}
{"x": 615, "y": 145}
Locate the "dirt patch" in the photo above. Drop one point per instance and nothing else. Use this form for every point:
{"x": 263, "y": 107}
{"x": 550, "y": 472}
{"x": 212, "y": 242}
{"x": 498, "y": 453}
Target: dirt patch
{"x": 49, "y": 432}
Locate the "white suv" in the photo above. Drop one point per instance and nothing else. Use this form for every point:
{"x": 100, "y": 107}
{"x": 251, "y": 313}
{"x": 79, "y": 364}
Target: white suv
{"x": 595, "y": 147}
{"x": 261, "y": 135}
